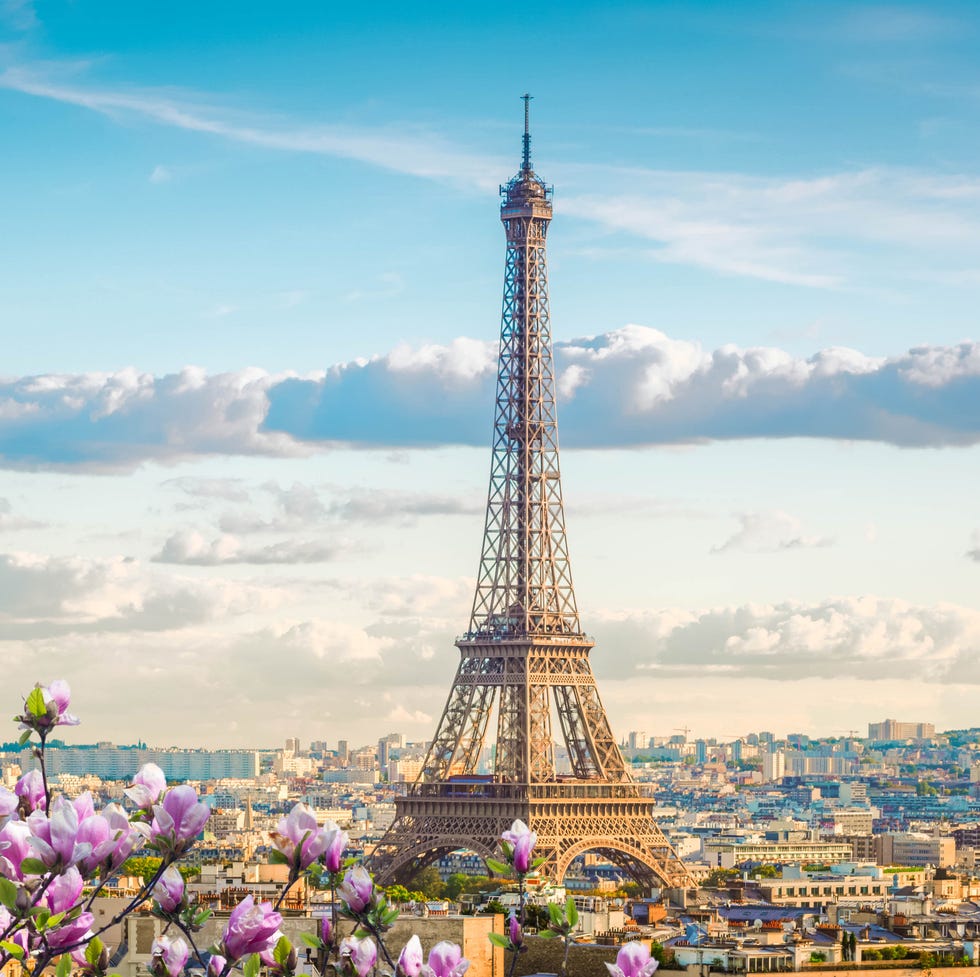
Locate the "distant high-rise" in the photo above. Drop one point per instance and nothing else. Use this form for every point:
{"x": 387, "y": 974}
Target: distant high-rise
{"x": 892, "y": 730}
{"x": 343, "y": 752}
{"x": 773, "y": 765}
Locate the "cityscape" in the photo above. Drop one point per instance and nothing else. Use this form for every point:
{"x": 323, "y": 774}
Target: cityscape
{"x": 242, "y": 465}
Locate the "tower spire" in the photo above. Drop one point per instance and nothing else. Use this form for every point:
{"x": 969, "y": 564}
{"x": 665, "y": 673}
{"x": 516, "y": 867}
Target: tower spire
{"x": 526, "y": 163}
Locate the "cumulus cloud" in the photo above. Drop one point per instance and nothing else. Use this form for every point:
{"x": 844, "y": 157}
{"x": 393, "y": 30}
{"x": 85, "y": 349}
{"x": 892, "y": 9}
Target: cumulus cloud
{"x": 45, "y": 596}
{"x": 632, "y": 386}
{"x": 191, "y": 548}
{"x": 118, "y": 420}
{"x": 769, "y": 532}
{"x": 302, "y": 507}
{"x": 863, "y": 638}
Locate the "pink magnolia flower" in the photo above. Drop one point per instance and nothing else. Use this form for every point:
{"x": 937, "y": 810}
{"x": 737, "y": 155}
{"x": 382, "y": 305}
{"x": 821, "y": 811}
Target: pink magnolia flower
{"x": 445, "y": 960}
{"x": 9, "y": 802}
{"x": 81, "y": 961}
{"x": 96, "y": 833}
{"x": 216, "y": 965}
{"x": 55, "y": 838}
{"x": 84, "y": 806}
{"x": 333, "y": 857}
{"x": 15, "y": 846}
{"x": 128, "y": 837}
{"x": 58, "y": 694}
{"x": 71, "y": 931}
{"x": 169, "y": 891}
{"x": 148, "y": 785}
{"x": 177, "y": 821}
{"x": 514, "y": 931}
{"x": 522, "y": 841}
{"x": 168, "y": 956}
{"x": 250, "y": 929}
{"x": 30, "y": 789}
{"x": 57, "y": 698}
{"x": 62, "y": 894}
{"x": 326, "y": 930}
{"x": 633, "y": 960}
{"x": 357, "y": 889}
{"x": 300, "y": 838}
{"x": 410, "y": 959}
{"x": 358, "y": 956}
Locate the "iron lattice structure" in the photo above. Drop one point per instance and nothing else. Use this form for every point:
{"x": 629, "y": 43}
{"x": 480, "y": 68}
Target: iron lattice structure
{"x": 525, "y": 657}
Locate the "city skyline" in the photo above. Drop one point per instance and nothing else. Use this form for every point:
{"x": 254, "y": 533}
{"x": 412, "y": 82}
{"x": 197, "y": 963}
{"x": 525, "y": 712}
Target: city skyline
{"x": 251, "y": 303}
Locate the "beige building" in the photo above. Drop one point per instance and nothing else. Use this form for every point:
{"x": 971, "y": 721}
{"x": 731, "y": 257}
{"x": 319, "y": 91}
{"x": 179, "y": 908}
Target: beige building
{"x": 892, "y": 729}
{"x": 911, "y": 848}
{"x": 723, "y": 853}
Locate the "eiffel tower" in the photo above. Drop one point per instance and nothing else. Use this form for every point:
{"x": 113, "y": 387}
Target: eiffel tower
{"x": 525, "y": 657}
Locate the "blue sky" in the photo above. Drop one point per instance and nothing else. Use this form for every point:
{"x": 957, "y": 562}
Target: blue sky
{"x": 250, "y": 290}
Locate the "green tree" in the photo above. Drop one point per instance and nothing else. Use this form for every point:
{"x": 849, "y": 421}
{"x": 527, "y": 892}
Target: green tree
{"x": 429, "y": 883}
{"x": 455, "y": 884}
{"x": 720, "y": 876}
{"x": 397, "y": 894}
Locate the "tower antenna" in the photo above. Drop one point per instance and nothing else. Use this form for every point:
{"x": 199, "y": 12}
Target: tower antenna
{"x": 526, "y": 164}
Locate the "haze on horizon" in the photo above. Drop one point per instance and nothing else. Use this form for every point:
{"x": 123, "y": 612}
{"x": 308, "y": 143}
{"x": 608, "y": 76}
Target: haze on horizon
{"x": 251, "y": 289}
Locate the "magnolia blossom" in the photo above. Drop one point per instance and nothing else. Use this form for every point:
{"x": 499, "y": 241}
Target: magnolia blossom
{"x": 357, "y": 889}
{"x": 110, "y": 835}
{"x": 148, "y": 786}
{"x": 62, "y": 894}
{"x": 30, "y": 789}
{"x": 445, "y": 960}
{"x": 326, "y": 930}
{"x": 300, "y": 838}
{"x": 82, "y": 963}
{"x": 358, "y": 956}
{"x": 250, "y": 929}
{"x": 514, "y": 931}
{"x": 57, "y": 698}
{"x": 69, "y": 932}
{"x": 15, "y": 846}
{"x": 633, "y": 960}
{"x": 333, "y": 856}
{"x": 410, "y": 959}
{"x": 9, "y": 802}
{"x": 55, "y": 838}
{"x": 177, "y": 821}
{"x": 216, "y": 965}
{"x": 169, "y": 891}
{"x": 268, "y": 957}
{"x": 522, "y": 841}
{"x": 168, "y": 957}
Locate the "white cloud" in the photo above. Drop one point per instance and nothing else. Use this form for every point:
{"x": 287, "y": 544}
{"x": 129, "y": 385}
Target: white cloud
{"x": 191, "y": 548}
{"x": 44, "y": 596}
{"x": 161, "y": 174}
{"x": 851, "y": 638}
{"x": 633, "y": 386}
{"x": 769, "y": 532}
{"x": 810, "y": 231}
